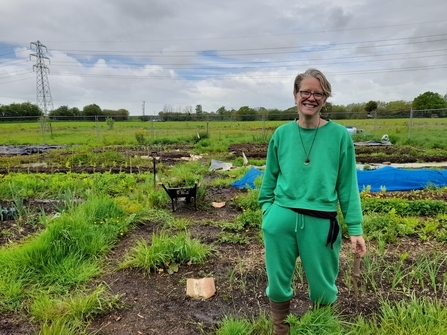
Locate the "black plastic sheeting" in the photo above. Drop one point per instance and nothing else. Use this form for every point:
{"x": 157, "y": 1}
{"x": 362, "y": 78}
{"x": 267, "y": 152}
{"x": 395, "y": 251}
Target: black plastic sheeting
{"x": 27, "y": 149}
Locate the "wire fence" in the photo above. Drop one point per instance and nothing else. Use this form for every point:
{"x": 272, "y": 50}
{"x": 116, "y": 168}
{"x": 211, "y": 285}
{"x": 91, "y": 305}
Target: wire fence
{"x": 408, "y": 124}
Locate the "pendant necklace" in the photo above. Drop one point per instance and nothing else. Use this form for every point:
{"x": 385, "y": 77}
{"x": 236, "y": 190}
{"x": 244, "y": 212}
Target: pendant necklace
{"x": 307, "y": 161}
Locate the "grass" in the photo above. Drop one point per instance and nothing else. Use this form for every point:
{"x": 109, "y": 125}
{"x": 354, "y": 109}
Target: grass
{"x": 411, "y": 316}
{"x": 66, "y": 254}
{"x": 216, "y": 135}
{"x": 166, "y": 252}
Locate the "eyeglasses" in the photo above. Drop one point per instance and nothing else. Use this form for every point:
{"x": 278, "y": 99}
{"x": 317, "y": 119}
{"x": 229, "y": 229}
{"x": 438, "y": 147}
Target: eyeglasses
{"x": 307, "y": 94}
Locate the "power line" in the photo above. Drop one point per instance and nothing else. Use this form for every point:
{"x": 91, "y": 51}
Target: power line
{"x": 257, "y": 76}
{"x": 412, "y": 24}
{"x": 274, "y": 50}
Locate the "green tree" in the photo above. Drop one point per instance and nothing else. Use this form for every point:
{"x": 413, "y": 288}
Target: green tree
{"x": 338, "y": 112}
{"x": 246, "y": 113}
{"x": 75, "y": 111}
{"x": 60, "y": 111}
{"x": 21, "y": 110}
{"x": 327, "y": 110}
{"x": 429, "y": 100}
{"x": 370, "y": 107}
{"x": 355, "y": 111}
{"x": 91, "y": 110}
{"x": 223, "y": 113}
{"x": 398, "y": 108}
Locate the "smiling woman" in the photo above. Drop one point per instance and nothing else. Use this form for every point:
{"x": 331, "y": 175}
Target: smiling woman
{"x": 300, "y": 194}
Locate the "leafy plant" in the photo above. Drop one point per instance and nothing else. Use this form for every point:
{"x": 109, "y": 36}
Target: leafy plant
{"x": 388, "y": 226}
{"x": 233, "y": 238}
{"x": 110, "y": 122}
{"x": 140, "y": 136}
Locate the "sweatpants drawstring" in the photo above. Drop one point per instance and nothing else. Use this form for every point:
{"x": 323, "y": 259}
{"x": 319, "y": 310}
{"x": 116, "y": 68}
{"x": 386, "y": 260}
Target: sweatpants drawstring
{"x": 296, "y": 222}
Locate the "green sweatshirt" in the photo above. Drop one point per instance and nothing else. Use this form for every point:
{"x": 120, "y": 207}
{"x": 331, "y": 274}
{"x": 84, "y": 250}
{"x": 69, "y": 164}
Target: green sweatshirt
{"x": 329, "y": 179}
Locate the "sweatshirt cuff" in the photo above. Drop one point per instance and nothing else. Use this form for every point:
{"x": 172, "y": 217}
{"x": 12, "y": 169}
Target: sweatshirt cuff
{"x": 355, "y": 230}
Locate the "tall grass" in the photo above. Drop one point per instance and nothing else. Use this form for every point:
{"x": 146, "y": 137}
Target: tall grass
{"x": 67, "y": 253}
{"x": 166, "y": 252}
{"x": 409, "y": 317}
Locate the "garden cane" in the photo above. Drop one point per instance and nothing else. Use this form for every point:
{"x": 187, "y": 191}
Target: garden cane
{"x": 355, "y": 278}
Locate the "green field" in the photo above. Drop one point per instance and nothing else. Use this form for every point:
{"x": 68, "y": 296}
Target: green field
{"x": 428, "y": 132}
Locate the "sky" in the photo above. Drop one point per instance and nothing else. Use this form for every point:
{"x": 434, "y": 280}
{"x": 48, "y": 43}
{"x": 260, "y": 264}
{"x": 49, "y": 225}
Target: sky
{"x": 149, "y": 56}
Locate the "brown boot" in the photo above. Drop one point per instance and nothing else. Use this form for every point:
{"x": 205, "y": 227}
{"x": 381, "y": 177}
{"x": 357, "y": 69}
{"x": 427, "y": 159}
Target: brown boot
{"x": 279, "y": 311}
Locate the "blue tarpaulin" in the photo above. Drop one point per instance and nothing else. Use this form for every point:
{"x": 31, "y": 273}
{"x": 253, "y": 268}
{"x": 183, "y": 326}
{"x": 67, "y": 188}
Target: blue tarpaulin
{"x": 388, "y": 178}
{"x": 394, "y": 179}
{"x": 248, "y": 179}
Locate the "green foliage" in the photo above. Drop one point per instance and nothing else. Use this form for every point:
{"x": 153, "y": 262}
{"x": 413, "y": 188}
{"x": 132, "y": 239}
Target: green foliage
{"x": 200, "y": 136}
{"x": 388, "y": 226}
{"x": 249, "y": 219}
{"x": 209, "y": 146}
{"x": 371, "y": 106}
{"x": 231, "y": 326}
{"x": 184, "y": 175}
{"x": 417, "y": 316}
{"x": 65, "y": 254}
{"x": 92, "y": 110}
{"x": 249, "y": 200}
{"x": 319, "y": 321}
{"x": 232, "y": 238}
{"x": 20, "y": 110}
{"x": 70, "y": 314}
{"x": 404, "y": 207}
{"x": 140, "y": 136}
{"x": 166, "y": 252}
{"x": 429, "y": 100}
{"x": 246, "y": 113}
{"x": 110, "y": 122}
{"x": 157, "y": 198}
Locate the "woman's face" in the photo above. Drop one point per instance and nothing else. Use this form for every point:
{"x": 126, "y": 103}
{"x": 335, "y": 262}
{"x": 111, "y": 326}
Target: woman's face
{"x": 309, "y": 105}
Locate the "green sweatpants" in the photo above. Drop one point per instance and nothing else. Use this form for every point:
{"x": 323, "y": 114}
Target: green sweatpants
{"x": 289, "y": 235}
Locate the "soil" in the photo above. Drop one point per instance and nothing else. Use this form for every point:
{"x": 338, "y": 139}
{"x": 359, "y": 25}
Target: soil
{"x": 157, "y": 303}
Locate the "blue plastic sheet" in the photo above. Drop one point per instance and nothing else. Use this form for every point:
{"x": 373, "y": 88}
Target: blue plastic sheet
{"x": 248, "y": 179}
{"x": 394, "y": 179}
{"x": 388, "y": 178}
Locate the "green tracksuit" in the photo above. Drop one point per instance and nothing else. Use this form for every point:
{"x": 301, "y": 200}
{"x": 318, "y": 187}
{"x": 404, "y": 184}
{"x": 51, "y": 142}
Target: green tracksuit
{"x": 328, "y": 180}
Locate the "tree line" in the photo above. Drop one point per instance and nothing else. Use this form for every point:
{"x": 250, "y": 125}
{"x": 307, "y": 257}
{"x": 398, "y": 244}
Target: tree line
{"x": 27, "y": 110}
{"x": 428, "y": 104}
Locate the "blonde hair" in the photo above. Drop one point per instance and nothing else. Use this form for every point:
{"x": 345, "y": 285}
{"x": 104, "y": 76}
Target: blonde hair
{"x": 313, "y": 73}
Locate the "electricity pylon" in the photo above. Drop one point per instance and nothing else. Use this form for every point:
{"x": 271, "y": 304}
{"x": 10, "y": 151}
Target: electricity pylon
{"x": 44, "y": 100}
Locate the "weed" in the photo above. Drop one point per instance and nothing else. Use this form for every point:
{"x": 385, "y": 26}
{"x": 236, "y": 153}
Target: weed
{"x": 233, "y": 238}
{"x": 165, "y": 252}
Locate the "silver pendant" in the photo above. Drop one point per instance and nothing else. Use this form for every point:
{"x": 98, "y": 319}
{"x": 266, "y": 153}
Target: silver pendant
{"x": 307, "y": 162}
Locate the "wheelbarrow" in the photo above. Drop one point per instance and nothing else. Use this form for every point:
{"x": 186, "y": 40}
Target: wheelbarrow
{"x": 189, "y": 193}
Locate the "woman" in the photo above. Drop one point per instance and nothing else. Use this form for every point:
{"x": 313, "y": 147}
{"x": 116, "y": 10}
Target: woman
{"x": 310, "y": 169}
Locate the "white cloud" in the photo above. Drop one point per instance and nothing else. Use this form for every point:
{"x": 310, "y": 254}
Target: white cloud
{"x": 118, "y": 54}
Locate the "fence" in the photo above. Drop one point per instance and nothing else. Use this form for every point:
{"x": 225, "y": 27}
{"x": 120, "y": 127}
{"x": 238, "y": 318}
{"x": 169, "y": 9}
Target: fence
{"x": 410, "y": 125}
